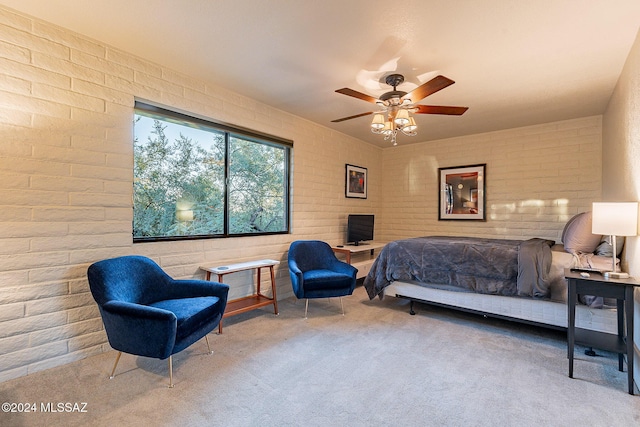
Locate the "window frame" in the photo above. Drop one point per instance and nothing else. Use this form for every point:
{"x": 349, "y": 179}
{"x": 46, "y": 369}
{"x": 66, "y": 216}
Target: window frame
{"x": 172, "y": 116}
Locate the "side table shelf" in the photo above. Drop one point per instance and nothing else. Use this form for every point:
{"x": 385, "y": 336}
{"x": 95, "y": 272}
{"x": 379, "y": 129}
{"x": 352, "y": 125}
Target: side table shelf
{"x": 622, "y": 343}
{"x": 251, "y": 302}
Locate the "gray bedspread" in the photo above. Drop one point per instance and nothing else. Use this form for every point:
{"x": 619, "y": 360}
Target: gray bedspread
{"x": 489, "y": 266}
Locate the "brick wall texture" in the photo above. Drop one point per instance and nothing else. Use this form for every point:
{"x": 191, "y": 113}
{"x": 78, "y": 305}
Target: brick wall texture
{"x": 66, "y": 162}
{"x": 537, "y": 177}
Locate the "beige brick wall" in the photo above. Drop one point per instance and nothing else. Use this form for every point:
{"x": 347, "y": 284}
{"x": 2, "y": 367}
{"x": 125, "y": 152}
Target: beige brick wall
{"x": 621, "y": 165}
{"x": 66, "y": 111}
{"x": 537, "y": 177}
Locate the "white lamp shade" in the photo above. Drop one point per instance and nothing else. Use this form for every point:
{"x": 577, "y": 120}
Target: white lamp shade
{"x": 402, "y": 118}
{"x": 615, "y": 218}
{"x": 378, "y": 121}
{"x": 411, "y": 126}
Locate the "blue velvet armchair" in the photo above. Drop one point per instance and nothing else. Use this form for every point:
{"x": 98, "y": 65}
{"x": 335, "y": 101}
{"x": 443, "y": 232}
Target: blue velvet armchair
{"x": 317, "y": 273}
{"x": 147, "y": 313}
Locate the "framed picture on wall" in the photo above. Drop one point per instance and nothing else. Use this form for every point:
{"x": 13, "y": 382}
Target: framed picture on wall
{"x": 461, "y": 192}
{"x": 356, "y": 182}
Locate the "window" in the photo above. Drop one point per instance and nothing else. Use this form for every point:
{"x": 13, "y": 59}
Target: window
{"x": 199, "y": 179}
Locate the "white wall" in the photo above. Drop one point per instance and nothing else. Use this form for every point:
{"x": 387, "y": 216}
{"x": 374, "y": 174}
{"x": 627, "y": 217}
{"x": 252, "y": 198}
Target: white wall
{"x": 66, "y": 156}
{"x": 621, "y": 163}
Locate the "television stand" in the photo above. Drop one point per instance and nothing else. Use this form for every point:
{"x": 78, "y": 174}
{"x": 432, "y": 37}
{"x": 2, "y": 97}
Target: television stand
{"x": 360, "y": 256}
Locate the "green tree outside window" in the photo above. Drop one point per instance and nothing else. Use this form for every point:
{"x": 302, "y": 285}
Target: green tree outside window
{"x": 182, "y": 173}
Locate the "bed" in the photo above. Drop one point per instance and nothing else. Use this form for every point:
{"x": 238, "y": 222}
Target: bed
{"x": 520, "y": 280}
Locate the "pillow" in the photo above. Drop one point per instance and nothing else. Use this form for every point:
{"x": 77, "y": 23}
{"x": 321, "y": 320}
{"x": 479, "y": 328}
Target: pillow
{"x": 577, "y": 236}
{"x": 606, "y": 249}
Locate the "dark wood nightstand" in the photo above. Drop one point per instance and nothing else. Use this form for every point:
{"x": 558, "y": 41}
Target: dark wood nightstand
{"x": 622, "y": 291}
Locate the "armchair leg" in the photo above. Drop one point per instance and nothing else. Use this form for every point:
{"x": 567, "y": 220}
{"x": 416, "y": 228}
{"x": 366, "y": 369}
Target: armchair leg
{"x": 208, "y": 346}
{"x": 170, "y": 368}
{"x": 115, "y": 364}
{"x": 341, "y": 306}
{"x": 306, "y": 307}
{"x": 170, "y": 372}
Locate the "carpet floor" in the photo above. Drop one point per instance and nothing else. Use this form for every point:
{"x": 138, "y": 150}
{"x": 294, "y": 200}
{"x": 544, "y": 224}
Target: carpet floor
{"x": 375, "y": 366}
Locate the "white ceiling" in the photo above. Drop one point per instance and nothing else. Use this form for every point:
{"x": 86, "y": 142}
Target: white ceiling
{"x": 515, "y": 62}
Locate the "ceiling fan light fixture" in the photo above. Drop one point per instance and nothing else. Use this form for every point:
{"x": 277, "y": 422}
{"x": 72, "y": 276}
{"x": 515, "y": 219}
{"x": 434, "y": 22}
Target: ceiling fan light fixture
{"x": 396, "y": 106}
{"x": 378, "y": 121}
{"x": 402, "y": 118}
{"x": 411, "y": 126}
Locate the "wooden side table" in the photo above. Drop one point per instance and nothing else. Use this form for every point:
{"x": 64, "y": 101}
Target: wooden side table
{"x": 622, "y": 343}
{"x": 250, "y": 302}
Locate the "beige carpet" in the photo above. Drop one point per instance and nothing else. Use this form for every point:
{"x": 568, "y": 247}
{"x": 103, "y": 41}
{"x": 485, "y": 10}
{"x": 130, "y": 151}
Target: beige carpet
{"x": 376, "y": 366}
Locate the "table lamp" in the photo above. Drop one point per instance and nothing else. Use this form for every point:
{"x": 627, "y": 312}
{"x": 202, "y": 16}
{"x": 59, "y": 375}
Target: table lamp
{"x": 615, "y": 219}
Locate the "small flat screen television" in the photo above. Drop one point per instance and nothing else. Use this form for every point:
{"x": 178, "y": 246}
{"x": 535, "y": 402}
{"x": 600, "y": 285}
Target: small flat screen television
{"x": 359, "y": 229}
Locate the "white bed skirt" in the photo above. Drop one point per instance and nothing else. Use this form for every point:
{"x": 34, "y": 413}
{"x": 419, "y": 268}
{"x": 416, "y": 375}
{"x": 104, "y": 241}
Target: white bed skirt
{"x": 524, "y": 309}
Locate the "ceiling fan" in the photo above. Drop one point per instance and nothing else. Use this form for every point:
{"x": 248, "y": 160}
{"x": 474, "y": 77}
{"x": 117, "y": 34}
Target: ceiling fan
{"x": 398, "y": 104}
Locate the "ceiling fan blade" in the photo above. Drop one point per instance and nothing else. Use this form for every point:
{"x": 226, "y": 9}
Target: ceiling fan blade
{"x": 432, "y": 86}
{"x": 351, "y": 117}
{"x": 356, "y": 94}
{"x": 438, "y": 109}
